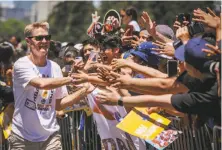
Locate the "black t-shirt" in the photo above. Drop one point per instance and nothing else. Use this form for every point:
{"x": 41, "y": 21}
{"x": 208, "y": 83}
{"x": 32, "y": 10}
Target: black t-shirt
{"x": 191, "y": 83}
{"x": 203, "y": 101}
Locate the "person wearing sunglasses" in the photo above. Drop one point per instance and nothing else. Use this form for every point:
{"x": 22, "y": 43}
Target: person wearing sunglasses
{"x": 39, "y": 91}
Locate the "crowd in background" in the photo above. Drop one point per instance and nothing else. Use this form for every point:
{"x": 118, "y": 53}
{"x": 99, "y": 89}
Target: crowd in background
{"x": 130, "y": 61}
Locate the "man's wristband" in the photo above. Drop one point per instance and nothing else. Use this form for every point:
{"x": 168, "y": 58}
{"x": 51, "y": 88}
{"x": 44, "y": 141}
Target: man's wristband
{"x": 120, "y": 101}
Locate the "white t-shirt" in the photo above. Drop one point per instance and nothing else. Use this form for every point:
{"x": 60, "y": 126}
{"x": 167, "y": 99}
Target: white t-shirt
{"x": 135, "y": 25}
{"x": 111, "y": 136}
{"x": 34, "y": 117}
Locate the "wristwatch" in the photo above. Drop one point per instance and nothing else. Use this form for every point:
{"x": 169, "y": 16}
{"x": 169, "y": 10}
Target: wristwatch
{"x": 120, "y": 101}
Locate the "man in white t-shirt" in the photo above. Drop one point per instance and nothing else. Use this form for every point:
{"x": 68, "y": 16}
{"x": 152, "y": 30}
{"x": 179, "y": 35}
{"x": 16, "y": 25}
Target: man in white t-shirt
{"x": 39, "y": 90}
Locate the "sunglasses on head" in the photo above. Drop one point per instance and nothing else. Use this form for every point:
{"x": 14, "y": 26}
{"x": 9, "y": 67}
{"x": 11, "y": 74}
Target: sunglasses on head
{"x": 41, "y": 37}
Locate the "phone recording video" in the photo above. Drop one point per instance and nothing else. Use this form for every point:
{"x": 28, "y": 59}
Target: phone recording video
{"x": 172, "y": 68}
{"x": 93, "y": 56}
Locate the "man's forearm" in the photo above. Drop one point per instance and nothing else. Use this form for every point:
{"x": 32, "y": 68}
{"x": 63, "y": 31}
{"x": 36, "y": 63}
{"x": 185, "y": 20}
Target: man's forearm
{"x": 162, "y": 38}
{"x": 71, "y": 99}
{"x": 50, "y": 83}
{"x": 147, "y": 71}
{"x": 163, "y": 101}
{"x": 97, "y": 81}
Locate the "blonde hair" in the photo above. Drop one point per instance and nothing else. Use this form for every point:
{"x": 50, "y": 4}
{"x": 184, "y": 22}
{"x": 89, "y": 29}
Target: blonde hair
{"x": 29, "y": 28}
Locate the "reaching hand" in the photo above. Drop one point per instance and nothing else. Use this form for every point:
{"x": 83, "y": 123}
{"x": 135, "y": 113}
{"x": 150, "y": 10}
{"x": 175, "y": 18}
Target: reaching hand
{"x": 109, "y": 97}
{"x": 150, "y": 26}
{"x": 78, "y": 65}
{"x": 212, "y": 51}
{"x": 119, "y": 63}
{"x": 80, "y": 77}
{"x": 90, "y": 88}
{"x": 95, "y": 18}
{"x": 209, "y": 19}
{"x": 126, "y": 39}
{"x": 154, "y": 110}
{"x": 164, "y": 48}
{"x": 90, "y": 65}
{"x": 135, "y": 42}
{"x": 120, "y": 81}
{"x": 183, "y": 34}
{"x": 104, "y": 73}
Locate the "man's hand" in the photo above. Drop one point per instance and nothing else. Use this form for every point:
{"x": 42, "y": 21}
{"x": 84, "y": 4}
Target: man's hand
{"x": 95, "y": 18}
{"x": 109, "y": 97}
{"x": 164, "y": 48}
{"x": 90, "y": 88}
{"x": 183, "y": 34}
{"x": 78, "y": 65}
{"x": 119, "y": 63}
{"x": 209, "y": 19}
{"x": 90, "y": 65}
{"x": 135, "y": 42}
{"x": 150, "y": 26}
{"x": 126, "y": 39}
{"x": 79, "y": 77}
{"x": 212, "y": 51}
{"x": 120, "y": 81}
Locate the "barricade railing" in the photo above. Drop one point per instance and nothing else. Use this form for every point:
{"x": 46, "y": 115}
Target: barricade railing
{"x": 87, "y": 138}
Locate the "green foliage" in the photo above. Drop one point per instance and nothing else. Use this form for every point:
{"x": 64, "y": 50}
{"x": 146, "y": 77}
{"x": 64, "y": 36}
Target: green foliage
{"x": 163, "y": 12}
{"x": 70, "y": 20}
{"x": 11, "y": 27}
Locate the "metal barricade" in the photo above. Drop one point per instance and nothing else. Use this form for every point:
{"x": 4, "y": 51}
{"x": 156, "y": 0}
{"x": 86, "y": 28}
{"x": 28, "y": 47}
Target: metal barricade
{"x": 88, "y": 139}
{"x": 75, "y": 139}
{"x": 199, "y": 139}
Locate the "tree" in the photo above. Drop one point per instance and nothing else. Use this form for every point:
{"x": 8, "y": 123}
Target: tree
{"x": 69, "y": 20}
{"x": 11, "y": 27}
{"x": 163, "y": 12}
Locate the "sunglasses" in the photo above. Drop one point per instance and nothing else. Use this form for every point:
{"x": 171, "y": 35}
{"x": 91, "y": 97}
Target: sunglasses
{"x": 41, "y": 37}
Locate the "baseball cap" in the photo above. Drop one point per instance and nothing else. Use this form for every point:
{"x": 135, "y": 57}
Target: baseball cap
{"x": 192, "y": 53}
{"x": 144, "y": 51}
{"x": 165, "y": 30}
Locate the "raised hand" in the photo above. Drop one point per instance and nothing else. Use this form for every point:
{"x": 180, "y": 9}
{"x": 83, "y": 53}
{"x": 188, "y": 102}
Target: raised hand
{"x": 209, "y": 19}
{"x": 150, "y": 26}
{"x": 95, "y": 18}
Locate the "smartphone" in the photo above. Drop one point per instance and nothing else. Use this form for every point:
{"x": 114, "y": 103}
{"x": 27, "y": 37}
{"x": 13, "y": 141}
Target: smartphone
{"x": 93, "y": 56}
{"x": 172, "y": 68}
{"x": 130, "y": 32}
{"x": 188, "y": 17}
{"x": 68, "y": 68}
{"x": 180, "y": 18}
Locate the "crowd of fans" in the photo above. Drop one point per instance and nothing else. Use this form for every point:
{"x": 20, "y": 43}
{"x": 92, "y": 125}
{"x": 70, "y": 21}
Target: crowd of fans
{"x": 137, "y": 63}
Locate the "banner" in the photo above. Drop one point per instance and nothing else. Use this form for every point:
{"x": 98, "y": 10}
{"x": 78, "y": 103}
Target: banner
{"x": 152, "y": 128}
{"x": 106, "y": 118}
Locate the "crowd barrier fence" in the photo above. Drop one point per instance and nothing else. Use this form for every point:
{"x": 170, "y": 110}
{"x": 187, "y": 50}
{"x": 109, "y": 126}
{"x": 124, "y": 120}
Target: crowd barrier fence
{"x": 75, "y": 137}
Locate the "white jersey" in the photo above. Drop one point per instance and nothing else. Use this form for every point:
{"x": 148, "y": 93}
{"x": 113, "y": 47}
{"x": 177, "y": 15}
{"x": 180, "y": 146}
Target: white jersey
{"x": 34, "y": 117}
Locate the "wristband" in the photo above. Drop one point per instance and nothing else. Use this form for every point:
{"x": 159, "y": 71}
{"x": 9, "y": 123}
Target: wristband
{"x": 120, "y": 101}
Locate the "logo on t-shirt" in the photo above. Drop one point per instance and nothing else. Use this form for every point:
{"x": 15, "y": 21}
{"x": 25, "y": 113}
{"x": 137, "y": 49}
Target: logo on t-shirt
{"x": 30, "y": 104}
